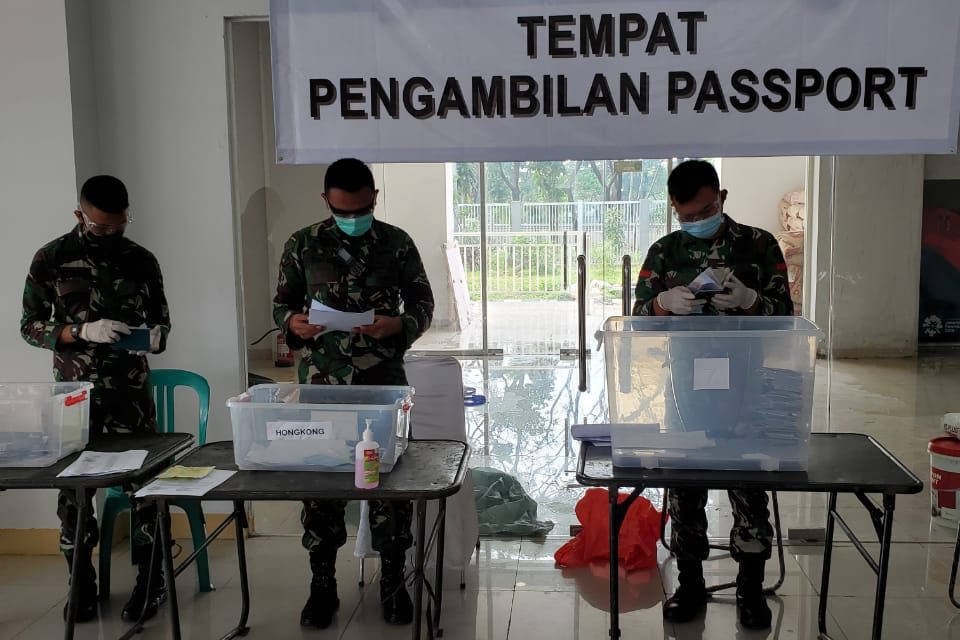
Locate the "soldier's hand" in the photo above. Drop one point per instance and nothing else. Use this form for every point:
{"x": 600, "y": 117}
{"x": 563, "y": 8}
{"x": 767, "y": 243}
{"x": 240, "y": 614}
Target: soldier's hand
{"x": 382, "y": 327}
{"x": 740, "y": 297}
{"x": 679, "y": 301}
{"x": 300, "y": 326}
{"x": 103, "y": 331}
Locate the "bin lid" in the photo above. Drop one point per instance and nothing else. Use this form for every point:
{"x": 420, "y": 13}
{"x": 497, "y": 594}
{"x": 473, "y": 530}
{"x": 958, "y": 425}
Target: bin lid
{"x": 945, "y": 446}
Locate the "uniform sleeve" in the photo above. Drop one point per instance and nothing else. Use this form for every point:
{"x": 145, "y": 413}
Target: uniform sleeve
{"x": 157, "y": 311}
{"x": 291, "y": 290}
{"x": 417, "y": 296}
{"x": 649, "y": 281}
{"x": 39, "y": 295}
{"x": 775, "y": 297}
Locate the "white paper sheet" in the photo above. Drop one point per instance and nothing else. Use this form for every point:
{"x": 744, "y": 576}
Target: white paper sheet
{"x": 711, "y": 373}
{"x": 186, "y": 487}
{"x": 99, "y": 463}
{"x": 333, "y": 320}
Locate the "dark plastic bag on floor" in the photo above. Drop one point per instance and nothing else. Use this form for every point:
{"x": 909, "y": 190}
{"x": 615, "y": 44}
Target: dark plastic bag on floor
{"x": 639, "y": 533}
{"x": 504, "y": 507}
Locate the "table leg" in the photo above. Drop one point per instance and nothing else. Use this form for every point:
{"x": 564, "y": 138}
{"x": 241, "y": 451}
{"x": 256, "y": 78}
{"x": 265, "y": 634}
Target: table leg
{"x": 613, "y": 495}
{"x": 240, "y": 520}
{"x": 441, "y": 533}
{"x": 827, "y": 557}
{"x": 418, "y": 568}
{"x": 953, "y": 571}
{"x": 889, "y": 504}
{"x": 74, "y": 591}
{"x": 168, "y": 570}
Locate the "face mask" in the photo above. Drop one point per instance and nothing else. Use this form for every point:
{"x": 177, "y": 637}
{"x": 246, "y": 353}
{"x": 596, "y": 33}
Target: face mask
{"x": 105, "y": 242}
{"x": 355, "y": 226}
{"x": 704, "y": 229}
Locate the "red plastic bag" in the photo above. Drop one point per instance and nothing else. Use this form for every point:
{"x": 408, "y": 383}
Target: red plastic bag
{"x": 639, "y": 533}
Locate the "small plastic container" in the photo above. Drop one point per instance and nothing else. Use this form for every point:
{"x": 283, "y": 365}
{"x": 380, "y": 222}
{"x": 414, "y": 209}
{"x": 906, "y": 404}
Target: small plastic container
{"x": 290, "y": 427}
{"x": 42, "y": 422}
{"x": 710, "y": 392}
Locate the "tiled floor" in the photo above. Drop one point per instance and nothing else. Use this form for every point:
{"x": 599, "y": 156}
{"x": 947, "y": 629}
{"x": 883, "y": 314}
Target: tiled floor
{"x": 513, "y": 590}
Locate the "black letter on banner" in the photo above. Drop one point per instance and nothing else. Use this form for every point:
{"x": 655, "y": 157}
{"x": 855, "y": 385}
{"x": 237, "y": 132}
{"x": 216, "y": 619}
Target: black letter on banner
{"x": 562, "y": 108}
{"x": 834, "y": 80}
{"x": 740, "y": 79}
{"x": 452, "y": 96}
{"x": 627, "y": 33}
{"x": 809, "y": 84}
{"x": 600, "y": 95}
{"x": 488, "y": 103}
{"x": 662, "y": 35}
{"x": 682, "y": 85}
{"x": 348, "y": 97}
{"x": 641, "y": 97}
{"x": 691, "y": 18}
{"x": 523, "y": 88}
{"x": 593, "y": 40}
{"x": 428, "y": 108}
{"x": 911, "y": 74}
{"x": 547, "y": 94}
{"x": 557, "y": 35}
{"x": 322, "y": 93}
{"x": 380, "y": 97}
{"x": 880, "y": 82}
{"x": 531, "y": 23}
{"x": 769, "y": 81}
{"x": 710, "y": 93}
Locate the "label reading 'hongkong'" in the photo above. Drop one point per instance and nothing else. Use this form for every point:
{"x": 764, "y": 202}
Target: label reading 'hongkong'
{"x": 299, "y": 430}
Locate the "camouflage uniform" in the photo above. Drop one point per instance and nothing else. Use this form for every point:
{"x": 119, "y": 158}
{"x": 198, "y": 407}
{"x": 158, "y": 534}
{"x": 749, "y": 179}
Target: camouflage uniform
{"x": 72, "y": 282}
{"x": 755, "y": 258}
{"x": 379, "y": 270}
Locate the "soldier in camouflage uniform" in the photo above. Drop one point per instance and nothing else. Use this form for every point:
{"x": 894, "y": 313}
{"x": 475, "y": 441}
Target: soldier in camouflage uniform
{"x": 83, "y": 291}
{"x": 352, "y": 262}
{"x": 756, "y": 285}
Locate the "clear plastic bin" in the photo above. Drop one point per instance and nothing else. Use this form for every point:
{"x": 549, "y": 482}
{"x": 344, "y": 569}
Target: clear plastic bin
{"x": 42, "y": 422}
{"x": 292, "y": 427}
{"x": 717, "y": 392}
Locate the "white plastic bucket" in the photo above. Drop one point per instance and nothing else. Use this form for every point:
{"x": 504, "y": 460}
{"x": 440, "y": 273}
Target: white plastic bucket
{"x": 945, "y": 481}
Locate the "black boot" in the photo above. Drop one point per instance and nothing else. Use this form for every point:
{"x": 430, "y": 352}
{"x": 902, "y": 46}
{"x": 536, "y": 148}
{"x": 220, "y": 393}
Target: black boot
{"x": 752, "y": 609}
{"x": 86, "y": 609}
{"x": 323, "y": 601}
{"x": 149, "y": 589}
{"x": 690, "y": 598}
{"x": 397, "y": 607}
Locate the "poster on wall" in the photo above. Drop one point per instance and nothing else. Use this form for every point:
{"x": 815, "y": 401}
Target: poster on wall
{"x": 940, "y": 263}
{"x": 489, "y": 80}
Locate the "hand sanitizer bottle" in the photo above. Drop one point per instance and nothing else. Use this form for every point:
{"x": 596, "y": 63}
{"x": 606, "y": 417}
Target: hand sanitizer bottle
{"x": 368, "y": 460}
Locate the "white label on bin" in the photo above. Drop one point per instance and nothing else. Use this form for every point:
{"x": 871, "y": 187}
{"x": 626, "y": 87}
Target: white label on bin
{"x": 711, "y": 373}
{"x": 299, "y": 430}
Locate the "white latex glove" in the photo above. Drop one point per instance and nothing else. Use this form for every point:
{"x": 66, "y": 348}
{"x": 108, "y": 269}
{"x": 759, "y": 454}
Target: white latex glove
{"x": 679, "y": 301}
{"x": 155, "y": 335}
{"x": 103, "y": 331}
{"x": 740, "y": 296}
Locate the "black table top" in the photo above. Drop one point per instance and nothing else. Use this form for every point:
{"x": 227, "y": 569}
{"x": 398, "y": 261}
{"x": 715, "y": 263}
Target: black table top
{"x": 429, "y": 469}
{"x": 841, "y": 462}
{"x": 160, "y": 447}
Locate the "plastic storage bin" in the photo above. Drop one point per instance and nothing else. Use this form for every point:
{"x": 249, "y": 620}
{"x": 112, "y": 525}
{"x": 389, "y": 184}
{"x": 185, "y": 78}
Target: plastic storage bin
{"x": 42, "y": 422}
{"x": 292, "y": 427}
{"x": 717, "y": 392}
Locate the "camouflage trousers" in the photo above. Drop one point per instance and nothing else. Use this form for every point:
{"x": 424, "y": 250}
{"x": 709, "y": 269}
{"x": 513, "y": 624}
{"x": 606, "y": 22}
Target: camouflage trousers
{"x": 144, "y": 526}
{"x": 751, "y": 534}
{"x": 323, "y": 526}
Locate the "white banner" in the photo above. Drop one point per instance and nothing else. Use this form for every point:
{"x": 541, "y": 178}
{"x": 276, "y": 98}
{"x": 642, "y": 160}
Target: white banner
{"x": 471, "y": 80}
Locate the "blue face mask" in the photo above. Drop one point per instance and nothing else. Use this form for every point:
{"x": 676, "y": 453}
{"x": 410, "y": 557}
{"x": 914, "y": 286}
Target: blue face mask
{"x": 354, "y": 226}
{"x": 704, "y": 229}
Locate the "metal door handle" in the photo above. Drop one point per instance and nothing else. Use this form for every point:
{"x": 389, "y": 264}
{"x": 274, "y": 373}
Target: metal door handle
{"x": 582, "y": 319}
{"x": 627, "y": 281}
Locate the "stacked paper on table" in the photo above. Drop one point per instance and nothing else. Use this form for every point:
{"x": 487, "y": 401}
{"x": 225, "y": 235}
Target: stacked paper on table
{"x": 186, "y": 487}
{"x": 101, "y": 463}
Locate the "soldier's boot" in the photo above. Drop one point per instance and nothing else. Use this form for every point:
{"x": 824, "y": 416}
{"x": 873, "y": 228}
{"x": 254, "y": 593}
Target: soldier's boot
{"x": 752, "y": 609}
{"x": 86, "y": 578}
{"x": 323, "y": 601}
{"x": 149, "y": 590}
{"x": 690, "y": 598}
{"x": 397, "y": 607}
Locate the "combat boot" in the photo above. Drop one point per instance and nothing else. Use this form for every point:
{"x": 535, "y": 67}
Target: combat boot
{"x": 86, "y": 609}
{"x": 397, "y": 607}
{"x": 690, "y": 598}
{"x": 149, "y": 591}
{"x": 752, "y": 609}
{"x": 323, "y": 601}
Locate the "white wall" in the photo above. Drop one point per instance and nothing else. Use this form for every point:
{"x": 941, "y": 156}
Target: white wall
{"x": 38, "y": 182}
{"x": 756, "y": 186}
